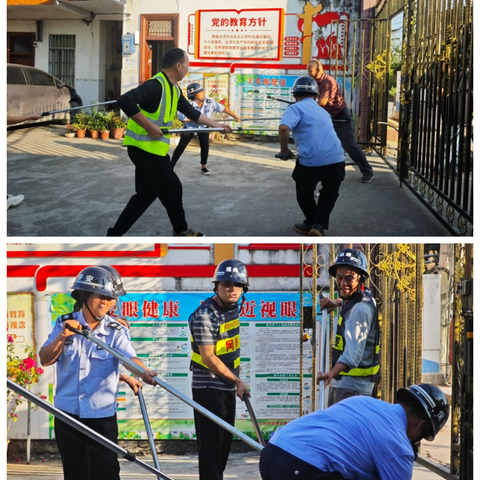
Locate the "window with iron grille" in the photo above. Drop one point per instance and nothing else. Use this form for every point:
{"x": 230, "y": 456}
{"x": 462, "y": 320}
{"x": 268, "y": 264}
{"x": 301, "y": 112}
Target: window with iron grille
{"x": 160, "y": 28}
{"x": 61, "y": 58}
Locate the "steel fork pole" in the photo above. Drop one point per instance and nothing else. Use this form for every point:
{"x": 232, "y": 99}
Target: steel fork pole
{"x": 83, "y": 428}
{"x": 143, "y": 408}
{"x": 170, "y": 389}
{"x": 44, "y": 114}
{"x": 253, "y": 418}
{"x": 148, "y": 428}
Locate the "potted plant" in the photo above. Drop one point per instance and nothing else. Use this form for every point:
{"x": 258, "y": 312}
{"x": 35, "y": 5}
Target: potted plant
{"x": 117, "y": 126}
{"x": 24, "y": 372}
{"x": 95, "y": 124}
{"x": 81, "y": 122}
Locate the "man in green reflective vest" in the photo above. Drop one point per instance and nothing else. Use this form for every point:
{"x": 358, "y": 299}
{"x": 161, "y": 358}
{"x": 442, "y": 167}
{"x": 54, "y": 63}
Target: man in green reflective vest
{"x": 215, "y": 365}
{"x": 151, "y": 107}
{"x": 355, "y": 353}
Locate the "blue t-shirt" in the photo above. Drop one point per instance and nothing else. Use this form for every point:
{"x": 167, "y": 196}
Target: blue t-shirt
{"x": 361, "y": 438}
{"x": 315, "y": 138}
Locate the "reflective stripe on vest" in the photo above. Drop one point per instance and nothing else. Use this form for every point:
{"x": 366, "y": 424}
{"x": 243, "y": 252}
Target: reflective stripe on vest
{"x": 197, "y": 358}
{"x": 371, "y": 370}
{"x": 137, "y": 136}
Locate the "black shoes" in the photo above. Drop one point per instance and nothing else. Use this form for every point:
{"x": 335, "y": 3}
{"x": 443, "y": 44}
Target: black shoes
{"x": 316, "y": 231}
{"x": 188, "y": 233}
{"x": 302, "y": 228}
{"x": 367, "y": 177}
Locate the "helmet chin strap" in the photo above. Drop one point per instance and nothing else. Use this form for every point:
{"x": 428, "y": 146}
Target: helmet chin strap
{"x": 98, "y": 319}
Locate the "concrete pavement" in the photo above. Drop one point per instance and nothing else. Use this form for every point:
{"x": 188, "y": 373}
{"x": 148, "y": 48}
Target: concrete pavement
{"x": 78, "y": 187}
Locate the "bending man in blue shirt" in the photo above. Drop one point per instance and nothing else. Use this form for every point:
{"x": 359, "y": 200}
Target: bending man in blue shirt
{"x": 87, "y": 376}
{"x": 320, "y": 156}
{"x": 360, "y": 438}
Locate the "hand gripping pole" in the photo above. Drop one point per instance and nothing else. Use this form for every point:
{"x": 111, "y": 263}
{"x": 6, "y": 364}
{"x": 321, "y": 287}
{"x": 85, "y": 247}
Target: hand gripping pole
{"x": 170, "y": 389}
{"x": 253, "y": 418}
{"x": 83, "y": 428}
{"x": 143, "y": 408}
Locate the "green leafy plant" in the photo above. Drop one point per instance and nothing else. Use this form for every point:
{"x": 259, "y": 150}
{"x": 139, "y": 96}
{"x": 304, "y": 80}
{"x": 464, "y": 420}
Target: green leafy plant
{"x": 117, "y": 122}
{"x": 82, "y": 120}
{"x": 24, "y": 372}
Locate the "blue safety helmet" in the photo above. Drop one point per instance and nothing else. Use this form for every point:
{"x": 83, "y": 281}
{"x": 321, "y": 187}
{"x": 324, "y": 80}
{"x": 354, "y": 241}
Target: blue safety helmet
{"x": 118, "y": 279}
{"x": 231, "y": 271}
{"x": 431, "y": 400}
{"x": 95, "y": 280}
{"x": 352, "y": 258}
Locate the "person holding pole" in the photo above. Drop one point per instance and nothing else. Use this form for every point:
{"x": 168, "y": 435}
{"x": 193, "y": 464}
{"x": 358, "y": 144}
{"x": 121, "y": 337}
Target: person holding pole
{"x": 322, "y": 162}
{"x": 331, "y": 99}
{"x": 87, "y": 376}
{"x": 207, "y": 106}
{"x": 359, "y": 438}
{"x": 356, "y": 351}
{"x": 215, "y": 365}
{"x": 151, "y": 107}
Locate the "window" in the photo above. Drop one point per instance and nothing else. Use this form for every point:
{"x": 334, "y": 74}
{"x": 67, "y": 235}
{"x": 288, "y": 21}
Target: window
{"x": 41, "y": 79}
{"x": 61, "y": 58}
{"x": 15, "y": 76}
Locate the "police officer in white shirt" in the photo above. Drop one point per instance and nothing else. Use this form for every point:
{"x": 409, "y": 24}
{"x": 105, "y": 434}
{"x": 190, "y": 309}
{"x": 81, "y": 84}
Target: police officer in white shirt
{"x": 207, "y": 106}
{"x": 87, "y": 376}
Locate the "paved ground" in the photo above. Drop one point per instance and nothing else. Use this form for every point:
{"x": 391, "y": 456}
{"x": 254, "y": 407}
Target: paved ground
{"x": 78, "y": 187}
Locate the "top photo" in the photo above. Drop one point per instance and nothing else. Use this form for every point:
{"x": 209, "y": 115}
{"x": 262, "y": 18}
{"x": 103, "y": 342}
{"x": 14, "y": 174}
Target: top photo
{"x": 197, "y": 118}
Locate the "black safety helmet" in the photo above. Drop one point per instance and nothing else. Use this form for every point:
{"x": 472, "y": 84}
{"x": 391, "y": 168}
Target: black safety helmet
{"x": 193, "y": 89}
{"x": 231, "y": 271}
{"x": 118, "y": 285}
{"x": 353, "y": 258}
{"x": 432, "y": 401}
{"x": 95, "y": 280}
{"x": 305, "y": 85}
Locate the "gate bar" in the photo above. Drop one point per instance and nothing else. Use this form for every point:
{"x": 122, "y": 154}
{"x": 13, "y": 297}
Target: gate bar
{"x": 170, "y": 389}
{"x": 83, "y": 428}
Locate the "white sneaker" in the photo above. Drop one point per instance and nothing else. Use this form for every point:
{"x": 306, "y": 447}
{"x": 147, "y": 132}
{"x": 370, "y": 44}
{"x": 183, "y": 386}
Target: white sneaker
{"x": 13, "y": 200}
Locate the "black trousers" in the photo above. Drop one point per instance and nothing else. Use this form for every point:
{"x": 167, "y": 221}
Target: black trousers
{"x": 278, "y": 464}
{"x": 185, "y": 138}
{"x": 306, "y": 180}
{"x": 345, "y": 134}
{"x": 336, "y": 395}
{"x": 82, "y": 457}
{"x": 154, "y": 178}
{"x": 213, "y": 441}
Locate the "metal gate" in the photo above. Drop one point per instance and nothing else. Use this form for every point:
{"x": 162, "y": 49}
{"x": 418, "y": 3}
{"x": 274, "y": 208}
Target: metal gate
{"x": 435, "y": 139}
{"x": 396, "y": 283}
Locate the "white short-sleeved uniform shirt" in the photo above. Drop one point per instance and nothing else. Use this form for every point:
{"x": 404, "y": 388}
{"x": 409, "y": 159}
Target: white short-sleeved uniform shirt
{"x": 209, "y": 107}
{"x": 87, "y": 375}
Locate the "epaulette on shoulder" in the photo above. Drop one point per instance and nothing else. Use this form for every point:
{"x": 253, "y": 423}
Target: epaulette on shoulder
{"x": 115, "y": 325}
{"x": 68, "y": 316}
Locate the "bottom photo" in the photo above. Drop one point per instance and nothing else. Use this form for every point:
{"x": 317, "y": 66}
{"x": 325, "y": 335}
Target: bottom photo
{"x": 255, "y": 361}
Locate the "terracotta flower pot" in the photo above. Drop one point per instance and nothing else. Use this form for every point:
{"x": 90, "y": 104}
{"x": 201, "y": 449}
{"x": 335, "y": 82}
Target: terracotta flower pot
{"x": 117, "y": 132}
{"x": 94, "y": 133}
{"x": 81, "y": 133}
{"x": 105, "y": 134}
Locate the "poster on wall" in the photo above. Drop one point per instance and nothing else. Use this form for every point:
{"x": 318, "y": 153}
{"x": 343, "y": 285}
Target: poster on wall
{"x": 20, "y": 321}
{"x": 252, "y": 92}
{"x": 269, "y": 335}
{"x": 249, "y": 34}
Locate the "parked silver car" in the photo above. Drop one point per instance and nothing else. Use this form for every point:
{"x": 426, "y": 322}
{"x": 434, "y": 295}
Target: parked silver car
{"x": 31, "y": 90}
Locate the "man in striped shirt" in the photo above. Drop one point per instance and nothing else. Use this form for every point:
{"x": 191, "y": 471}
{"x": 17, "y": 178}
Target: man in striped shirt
{"x": 215, "y": 365}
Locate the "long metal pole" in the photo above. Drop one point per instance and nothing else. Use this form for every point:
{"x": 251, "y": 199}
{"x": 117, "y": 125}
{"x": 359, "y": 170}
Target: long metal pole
{"x": 253, "y": 418}
{"x": 249, "y": 119}
{"x": 44, "y": 114}
{"x": 209, "y": 130}
{"x": 83, "y": 428}
{"x": 143, "y": 409}
{"x": 170, "y": 389}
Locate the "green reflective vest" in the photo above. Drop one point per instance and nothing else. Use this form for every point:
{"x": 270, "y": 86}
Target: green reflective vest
{"x": 363, "y": 370}
{"x": 137, "y": 136}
